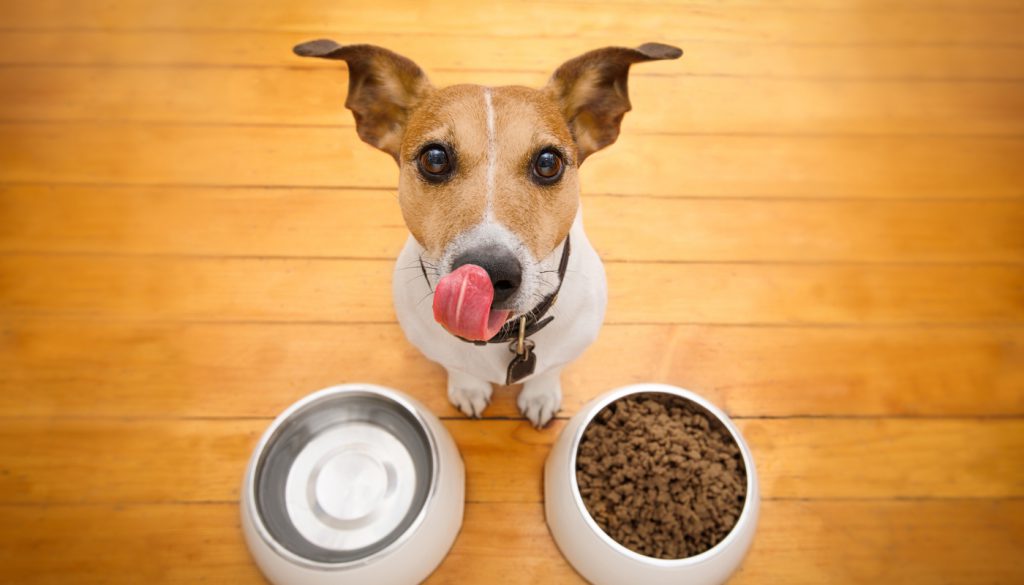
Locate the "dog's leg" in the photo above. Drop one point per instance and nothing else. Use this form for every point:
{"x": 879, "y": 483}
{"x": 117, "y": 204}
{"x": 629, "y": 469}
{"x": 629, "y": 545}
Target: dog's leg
{"x": 541, "y": 397}
{"x": 470, "y": 394}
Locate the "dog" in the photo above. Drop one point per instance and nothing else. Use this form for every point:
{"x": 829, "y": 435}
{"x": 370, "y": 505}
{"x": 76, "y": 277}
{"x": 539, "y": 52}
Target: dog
{"x": 489, "y": 189}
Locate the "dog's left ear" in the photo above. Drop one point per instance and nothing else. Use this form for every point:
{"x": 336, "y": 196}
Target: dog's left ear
{"x": 383, "y": 88}
{"x": 591, "y": 91}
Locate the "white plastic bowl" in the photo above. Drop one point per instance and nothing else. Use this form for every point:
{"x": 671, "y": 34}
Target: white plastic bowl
{"x": 599, "y": 558}
{"x": 353, "y": 484}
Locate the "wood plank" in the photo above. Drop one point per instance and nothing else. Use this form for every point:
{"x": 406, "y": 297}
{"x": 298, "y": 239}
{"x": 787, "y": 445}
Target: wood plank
{"x": 365, "y": 224}
{"x": 253, "y": 48}
{"x": 706, "y": 166}
{"x": 160, "y": 460}
{"x": 660, "y": 229}
{"x": 842, "y": 5}
{"x": 699, "y": 105}
{"x": 797, "y": 542}
{"x": 104, "y": 544}
{"x": 113, "y": 369}
{"x": 347, "y": 291}
{"x": 853, "y": 295}
{"x": 760, "y": 22}
{"x": 862, "y": 284}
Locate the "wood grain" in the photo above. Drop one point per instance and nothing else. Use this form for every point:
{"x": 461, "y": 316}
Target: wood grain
{"x": 366, "y": 224}
{"x": 347, "y": 291}
{"x": 62, "y": 367}
{"x": 699, "y": 105}
{"x": 800, "y": 542}
{"x": 758, "y": 22}
{"x": 813, "y": 219}
{"x": 155, "y": 460}
{"x": 733, "y": 166}
{"x": 704, "y": 57}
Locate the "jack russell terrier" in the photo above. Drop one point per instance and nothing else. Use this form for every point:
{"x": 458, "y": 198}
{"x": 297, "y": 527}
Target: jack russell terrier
{"x": 489, "y": 188}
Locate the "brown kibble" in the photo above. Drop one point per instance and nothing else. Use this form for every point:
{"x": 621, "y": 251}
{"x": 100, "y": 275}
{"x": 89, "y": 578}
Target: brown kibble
{"x": 661, "y": 476}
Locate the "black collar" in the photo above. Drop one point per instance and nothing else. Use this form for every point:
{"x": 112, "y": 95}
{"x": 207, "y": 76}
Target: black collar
{"x": 535, "y": 320}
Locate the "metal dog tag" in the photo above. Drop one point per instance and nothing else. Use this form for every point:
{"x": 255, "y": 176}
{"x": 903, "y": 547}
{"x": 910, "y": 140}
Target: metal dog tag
{"x": 523, "y": 364}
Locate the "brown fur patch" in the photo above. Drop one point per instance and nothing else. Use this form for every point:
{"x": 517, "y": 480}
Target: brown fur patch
{"x": 383, "y": 88}
{"x": 525, "y": 121}
{"x": 592, "y": 91}
{"x": 398, "y": 111}
{"x": 435, "y": 214}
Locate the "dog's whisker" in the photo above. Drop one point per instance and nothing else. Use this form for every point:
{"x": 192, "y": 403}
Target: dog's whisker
{"x": 418, "y": 276}
{"x": 427, "y": 296}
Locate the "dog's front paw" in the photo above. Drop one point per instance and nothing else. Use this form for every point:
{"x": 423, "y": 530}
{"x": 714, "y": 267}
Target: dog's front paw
{"x": 540, "y": 399}
{"x": 470, "y": 395}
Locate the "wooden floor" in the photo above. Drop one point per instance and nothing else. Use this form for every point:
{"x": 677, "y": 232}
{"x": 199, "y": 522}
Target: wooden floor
{"x": 815, "y": 219}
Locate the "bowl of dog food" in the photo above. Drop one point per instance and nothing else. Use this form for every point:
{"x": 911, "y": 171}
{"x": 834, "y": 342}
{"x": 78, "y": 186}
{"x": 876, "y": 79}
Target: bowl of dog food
{"x": 651, "y": 484}
{"x": 352, "y": 484}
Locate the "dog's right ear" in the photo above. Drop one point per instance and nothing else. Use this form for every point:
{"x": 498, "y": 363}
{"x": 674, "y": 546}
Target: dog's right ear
{"x": 591, "y": 91}
{"x": 383, "y": 88}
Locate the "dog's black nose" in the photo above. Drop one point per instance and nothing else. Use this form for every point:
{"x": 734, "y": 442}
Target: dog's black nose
{"x": 503, "y": 268}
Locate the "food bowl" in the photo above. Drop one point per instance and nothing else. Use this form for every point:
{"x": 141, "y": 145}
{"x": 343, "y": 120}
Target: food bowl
{"x": 353, "y": 484}
{"x": 597, "y": 556}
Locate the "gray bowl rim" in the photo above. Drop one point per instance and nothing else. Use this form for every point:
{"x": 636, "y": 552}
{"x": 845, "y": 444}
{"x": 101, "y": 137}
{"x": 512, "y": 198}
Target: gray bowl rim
{"x": 653, "y": 388}
{"x": 353, "y": 389}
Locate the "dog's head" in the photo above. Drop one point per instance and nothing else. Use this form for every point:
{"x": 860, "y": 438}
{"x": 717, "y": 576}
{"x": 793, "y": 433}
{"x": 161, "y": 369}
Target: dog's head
{"x": 488, "y": 176}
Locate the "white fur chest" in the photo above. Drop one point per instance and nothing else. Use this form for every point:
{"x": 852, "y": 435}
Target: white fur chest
{"x": 578, "y": 315}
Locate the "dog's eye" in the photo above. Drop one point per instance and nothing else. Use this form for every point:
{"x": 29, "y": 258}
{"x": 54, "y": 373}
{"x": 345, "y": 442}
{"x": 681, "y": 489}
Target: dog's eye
{"x": 434, "y": 163}
{"x": 548, "y": 166}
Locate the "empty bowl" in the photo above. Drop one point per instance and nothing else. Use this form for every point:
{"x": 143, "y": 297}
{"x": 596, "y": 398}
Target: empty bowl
{"x": 601, "y": 559}
{"x": 353, "y": 484}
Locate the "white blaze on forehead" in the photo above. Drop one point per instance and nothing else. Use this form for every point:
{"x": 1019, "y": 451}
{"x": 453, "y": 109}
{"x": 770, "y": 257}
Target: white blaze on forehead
{"x": 490, "y": 231}
{"x": 492, "y": 152}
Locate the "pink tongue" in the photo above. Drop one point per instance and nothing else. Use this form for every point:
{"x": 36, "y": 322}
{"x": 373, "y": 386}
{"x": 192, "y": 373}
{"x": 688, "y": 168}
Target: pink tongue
{"x": 462, "y": 304}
